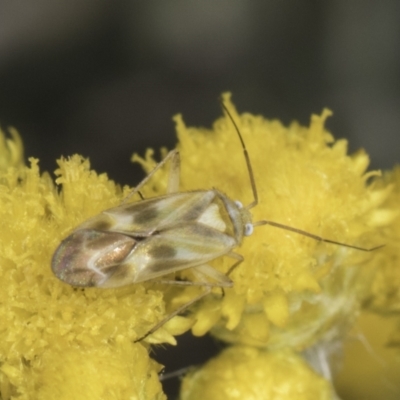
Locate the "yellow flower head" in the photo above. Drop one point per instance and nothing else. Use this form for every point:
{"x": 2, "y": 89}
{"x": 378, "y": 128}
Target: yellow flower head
{"x": 290, "y": 289}
{"x": 249, "y": 373}
{"x": 59, "y": 342}
{"x": 385, "y": 293}
{"x": 384, "y": 297}
{"x": 11, "y": 151}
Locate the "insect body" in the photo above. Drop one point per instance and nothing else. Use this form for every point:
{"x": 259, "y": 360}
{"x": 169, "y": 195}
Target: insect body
{"x": 148, "y": 239}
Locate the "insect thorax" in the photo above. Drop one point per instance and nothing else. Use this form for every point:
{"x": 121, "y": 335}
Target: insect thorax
{"x": 234, "y": 214}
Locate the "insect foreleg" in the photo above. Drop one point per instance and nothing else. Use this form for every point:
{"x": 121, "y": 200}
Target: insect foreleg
{"x": 239, "y": 259}
{"x": 170, "y": 155}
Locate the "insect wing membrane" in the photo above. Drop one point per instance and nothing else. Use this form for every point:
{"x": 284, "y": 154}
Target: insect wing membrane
{"x": 142, "y": 218}
{"x": 146, "y": 216}
{"x": 90, "y": 257}
{"x": 196, "y": 227}
{"x": 186, "y": 246}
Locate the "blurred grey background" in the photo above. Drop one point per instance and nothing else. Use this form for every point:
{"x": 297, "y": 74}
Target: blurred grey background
{"x": 104, "y": 78}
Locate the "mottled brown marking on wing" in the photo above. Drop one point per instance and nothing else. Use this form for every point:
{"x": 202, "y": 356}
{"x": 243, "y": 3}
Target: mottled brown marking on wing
{"x": 162, "y": 252}
{"x": 117, "y": 273}
{"x": 159, "y": 213}
{"x": 147, "y": 215}
{"x": 101, "y": 225}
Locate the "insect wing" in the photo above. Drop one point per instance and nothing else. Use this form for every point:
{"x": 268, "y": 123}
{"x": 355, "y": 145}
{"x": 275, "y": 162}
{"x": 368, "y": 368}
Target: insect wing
{"x": 145, "y": 240}
{"x": 89, "y": 257}
{"x": 186, "y": 246}
{"x": 142, "y": 218}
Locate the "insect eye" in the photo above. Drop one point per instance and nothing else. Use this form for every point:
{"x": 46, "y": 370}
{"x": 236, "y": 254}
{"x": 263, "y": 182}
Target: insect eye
{"x": 238, "y": 204}
{"x": 248, "y": 229}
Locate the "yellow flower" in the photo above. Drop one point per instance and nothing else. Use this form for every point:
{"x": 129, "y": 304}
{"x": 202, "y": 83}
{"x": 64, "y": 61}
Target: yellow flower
{"x": 11, "y": 151}
{"x": 290, "y": 290}
{"x": 385, "y": 293}
{"x": 59, "y": 342}
{"x": 370, "y": 369}
{"x": 249, "y": 373}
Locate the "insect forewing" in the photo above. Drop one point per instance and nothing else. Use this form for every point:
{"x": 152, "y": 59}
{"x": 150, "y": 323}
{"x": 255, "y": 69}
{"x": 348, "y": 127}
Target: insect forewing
{"x": 89, "y": 258}
{"x": 148, "y": 239}
{"x": 147, "y": 216}
{"x": 186, "y": 246}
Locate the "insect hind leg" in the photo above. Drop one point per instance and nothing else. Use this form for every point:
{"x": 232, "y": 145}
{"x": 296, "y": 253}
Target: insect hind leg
{"x": 221, "y": 280}
{"x": 174, "y": 173}
{"x": 173, "y": 182}
{"x": 179, "y": 310}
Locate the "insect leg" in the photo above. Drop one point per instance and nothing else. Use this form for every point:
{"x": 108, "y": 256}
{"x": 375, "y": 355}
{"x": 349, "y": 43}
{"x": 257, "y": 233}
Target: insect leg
{"x": 174, "y": 174}
{"x": 174, "y": 374}
{"x": 173, "y": 178}
{"x": 206, "y": 270}
{"x": 222, "y": 281}
{"x": 237, "y": 257}
{"x": 189, "y": 283}
{"x": 175, "y": 313}
{"x": 201, "y": 272}
{"x": 169, "y": 156}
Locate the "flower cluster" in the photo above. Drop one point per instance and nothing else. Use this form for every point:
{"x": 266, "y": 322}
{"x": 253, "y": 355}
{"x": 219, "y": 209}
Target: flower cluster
{"x": 58, "y": 341}
{"x": 294, "y": 299}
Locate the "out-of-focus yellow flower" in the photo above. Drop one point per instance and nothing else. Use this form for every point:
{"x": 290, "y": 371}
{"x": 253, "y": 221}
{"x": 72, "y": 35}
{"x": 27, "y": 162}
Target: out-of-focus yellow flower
{"x": 370, "y": 369}
{"x": 385, "y": 293}
{"x": 11, "y": 151}
{"x": 250, "y": 373}
{"x": 382, "y": 331}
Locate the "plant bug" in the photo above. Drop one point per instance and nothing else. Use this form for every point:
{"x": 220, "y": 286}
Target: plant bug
{"x": 151, "y": 238}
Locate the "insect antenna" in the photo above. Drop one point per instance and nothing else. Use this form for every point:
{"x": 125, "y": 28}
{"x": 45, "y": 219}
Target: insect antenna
{"x": 247, "y": 158}
{"x": 277, "y": 224}
{"x": 312, "y": 236}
